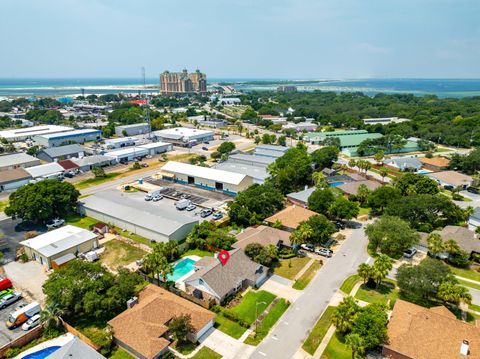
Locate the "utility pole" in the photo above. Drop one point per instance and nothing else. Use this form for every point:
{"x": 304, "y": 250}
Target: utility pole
{"x": 147, "y": 107}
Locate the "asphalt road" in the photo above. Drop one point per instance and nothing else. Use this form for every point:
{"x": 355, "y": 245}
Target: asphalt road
{"x": 288, "y": 336}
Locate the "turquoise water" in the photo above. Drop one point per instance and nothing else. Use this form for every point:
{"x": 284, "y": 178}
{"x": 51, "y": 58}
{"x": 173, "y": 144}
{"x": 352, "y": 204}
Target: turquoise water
{"x": 41, "y": 354}
{"x": 181, "y": 268}
{"x": 336, "y": 184}
{"x": 423, "y": 172}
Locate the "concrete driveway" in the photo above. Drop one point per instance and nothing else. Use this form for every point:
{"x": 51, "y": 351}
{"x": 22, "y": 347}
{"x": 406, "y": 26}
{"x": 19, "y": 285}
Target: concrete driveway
{"x": 281, "y": 287}
{"x": 28, "y": 278}
{"x": 225, "y": 345}
{"x": 292, "y": 329}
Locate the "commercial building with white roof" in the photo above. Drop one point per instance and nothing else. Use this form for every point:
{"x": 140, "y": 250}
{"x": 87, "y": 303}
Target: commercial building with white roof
{"x": 154, "y": 148}
{"x": 205, "y": 177}
{"x": 21, "y": 134}
{"x": 119, "y": 142}
{"x": 17, "y": 160}
{"x": 48, "y": 170}
{"x": 65, "y": 241}
{"x": 77, "y": 136}
{"x": 184, "y": 136}
{"x": 127, "y": 153}
{"x": 133, "y": 129}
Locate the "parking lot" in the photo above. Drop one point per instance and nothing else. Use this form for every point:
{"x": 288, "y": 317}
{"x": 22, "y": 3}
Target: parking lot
{"x": 7, "y": 335}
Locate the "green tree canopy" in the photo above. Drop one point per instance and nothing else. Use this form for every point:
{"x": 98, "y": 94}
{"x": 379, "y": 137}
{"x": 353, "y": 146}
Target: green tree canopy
{"x": 320, "y": 200}
{"x": 412, "y": 183}
{"x": 226, "y": 147}
{"x": 292, "y": 171}
{"x": 325, "y": 157}
{"x": 380, "y": 198}
{"x": 344, "y": 209}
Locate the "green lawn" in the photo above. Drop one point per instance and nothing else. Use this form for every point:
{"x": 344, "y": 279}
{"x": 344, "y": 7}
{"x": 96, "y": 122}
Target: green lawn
{"x": 302, "y": 282}
{"x": 349, "y": 283}
{"x": 466, "y": 273}
{"x": 82, "y": 222}
{"x": 386, "y": 292}
{"x": 134, "y": 237}
{"x": 288, "y": 268}
{"x": 197, "y": 252}
{"x": 474, "y": 307}
{"x": 206, "y": 353}
{"x": 466, "y": 283}
{"x": 268, "y": 322}
{"x": 318, "y": 331}
{"x": 119, "y": 353}
{"x": 246, "y": 309}
{"x": 229, "y": 327}
{"x": 3, "y": 205}
{"x": 118, "y": 253}
{"x": 95, "y": 181}
{"x": 364, "y": 211}
{"x": 336, "y": 348}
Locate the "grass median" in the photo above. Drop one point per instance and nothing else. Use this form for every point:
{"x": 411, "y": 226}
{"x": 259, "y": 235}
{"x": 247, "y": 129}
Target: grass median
{"x": 318, "y": 332}
{"x": 268, "y": 322}
{"x": 302, "y": 282}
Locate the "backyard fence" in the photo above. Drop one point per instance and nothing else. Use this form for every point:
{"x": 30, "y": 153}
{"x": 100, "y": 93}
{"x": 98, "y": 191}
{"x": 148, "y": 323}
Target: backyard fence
{"x": 23, "y": 340}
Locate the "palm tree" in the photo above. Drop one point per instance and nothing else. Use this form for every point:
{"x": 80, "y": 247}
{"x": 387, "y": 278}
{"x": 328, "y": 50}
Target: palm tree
{"x": 435, "y": 244}
{"x": 151, "y": 263}
{"x": 164, "y": 269}
{"x": 379, "y": 156}
{"x": 383, "y": 264}
{"x": 318, "y": 178}
{"x": 302, "y": 234}
{"x": 344, "y": 315}
{"x": 384, "y": 173}
{"x": 355, "y": 342}
{"x": 364, "y": 271}
{"x": 362, "y": 194}
{"x": 352, "y": 163}
{"x": 51, "y": 314}
{"x": 451, "y": 246}
{"x": 450, "y": 291}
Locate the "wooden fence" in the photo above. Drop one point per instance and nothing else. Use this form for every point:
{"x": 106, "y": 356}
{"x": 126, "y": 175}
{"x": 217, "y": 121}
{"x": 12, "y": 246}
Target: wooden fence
{"x": 79, "y": 334}
{"x": 23, "y": 340}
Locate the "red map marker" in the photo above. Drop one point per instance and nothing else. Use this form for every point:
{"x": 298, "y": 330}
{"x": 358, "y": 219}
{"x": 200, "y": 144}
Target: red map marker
{"x": 223, "y": 256}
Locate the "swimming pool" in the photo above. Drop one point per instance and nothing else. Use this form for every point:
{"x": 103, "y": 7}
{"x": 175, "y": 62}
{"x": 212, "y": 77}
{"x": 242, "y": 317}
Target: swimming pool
{"x": 423, "y": 172}
{"x": 336, "y": 184}
{"x": 42, "y": 353}
{"x": 181, "y": 268}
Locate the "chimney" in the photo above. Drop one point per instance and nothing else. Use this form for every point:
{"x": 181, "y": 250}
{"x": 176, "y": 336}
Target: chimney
{"x": 464, "y": 348}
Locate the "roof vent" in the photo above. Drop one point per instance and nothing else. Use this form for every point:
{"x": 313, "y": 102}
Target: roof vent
{"x": 464, "y": 348}
{"x": 132, "y": 301}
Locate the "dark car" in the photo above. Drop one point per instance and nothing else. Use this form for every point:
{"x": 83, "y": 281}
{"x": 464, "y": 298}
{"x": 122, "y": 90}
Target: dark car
{"x": 473, "y": 190}
{"x": 204, "y": 148}
{"x": 340, "y": 225}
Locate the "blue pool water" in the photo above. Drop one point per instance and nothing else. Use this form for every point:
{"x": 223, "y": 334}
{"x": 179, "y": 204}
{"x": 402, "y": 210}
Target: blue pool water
{"x": 423, "y": 172}
{"x": 181, "y": 268}
{"x": 336, "y": 184}
{"x": 42, "y": 353}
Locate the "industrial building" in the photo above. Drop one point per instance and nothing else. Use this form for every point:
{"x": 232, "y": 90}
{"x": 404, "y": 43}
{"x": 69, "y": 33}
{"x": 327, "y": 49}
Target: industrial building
{"x": 133, "y": 129}
{"x": 155, "y": 148}
{"x": 54, "y": 154}
{"x": 78, "y": 136}
{"x": 134, "y": 216}
{"x": 383, "y": 120}
{"x": 17, "y": 160}
{"x": 46, "y": 171}
{"x": 22, "y": 134}
{"x": 128, "y": 153}
{"x": 254, "y": 166}
{"x": 184, "y": 136}
{"x": 87, "y": 163}
{"x": 13, "y": 179}
{"x": 271, "y": 151}
{"x": 55, "y": 248}
{"x": 119, "y": 142}
{"x": 205, "y": 177}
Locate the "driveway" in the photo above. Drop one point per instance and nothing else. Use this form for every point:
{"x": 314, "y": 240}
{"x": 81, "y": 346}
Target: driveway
{"x": 225, "y": 345}
{"x": 28, "y": 278}
{"x": 281, "y": 287}
{"x": 12, "y": 232}
{"x": 292, "y": 329}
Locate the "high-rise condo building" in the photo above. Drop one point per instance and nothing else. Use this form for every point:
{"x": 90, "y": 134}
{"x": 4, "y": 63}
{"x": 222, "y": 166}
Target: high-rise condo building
{"x": 183, "y": 82}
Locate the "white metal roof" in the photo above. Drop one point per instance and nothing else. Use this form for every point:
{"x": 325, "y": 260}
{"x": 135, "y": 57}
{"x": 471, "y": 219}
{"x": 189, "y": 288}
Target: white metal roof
{"x": 16, "y": 159}
{"x": 84, "y": 131}
{"x": 137, "y": 151}
{"x": 204, "y": 172}
{"x": 32, "y": 131}
{"x": 183, "y": 131}
{"x": 119, "y": 140}
{"x": 59, "y": 240}
{"x": 155, "y": 145}
{"x": 44, "y": 170}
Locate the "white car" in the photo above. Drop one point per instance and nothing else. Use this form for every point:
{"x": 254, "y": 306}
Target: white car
{"x": 323, "y": 252}
{"x": 157, "y": 197}
{"x": 32, "y": 322}
{"x": 10, "y": 299}
{"x": 55, "y": 223}
{"x": 191, "y": 207}
{"x": 148, "y": 197}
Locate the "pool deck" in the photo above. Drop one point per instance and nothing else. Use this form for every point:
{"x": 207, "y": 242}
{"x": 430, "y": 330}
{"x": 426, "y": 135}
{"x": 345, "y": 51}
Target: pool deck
{"x": 179, "y": 282}
{"x": 60, "y": 341}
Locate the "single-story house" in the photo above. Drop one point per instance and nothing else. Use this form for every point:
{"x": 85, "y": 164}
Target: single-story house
{"x": 16, "y": 160}
{"x": 142, "y": 329}
{"x": 87, "y": 163}
{"x": 451, "y": 178}
{"x": 415, "y": 332}
{"x": 64, "y": 241}
{"x": 263, "y": 235}
{"x": 75, "y": 349}
{"x": 215, "y": 281}
{"x": 435, "y": 163}
{"x": 352, "y": 187}
{"x": 161, "y": 225}
{"x": 291, "y": 217}
{"x": 466, "y": 239}
{"x": 46, "y": 171}
{"x": 407, "y": 163}
{"x": 474, "y": 220}
{"x": 13, "y": 179}
{"x": 54, "y": 154}
{"x": 301, "y": 198}
{"x": 337, "y": 179}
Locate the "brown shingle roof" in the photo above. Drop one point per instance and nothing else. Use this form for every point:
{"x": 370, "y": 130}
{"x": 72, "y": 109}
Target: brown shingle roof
{"x": 142, "y": 326}
{"x": 291, "y": 216}
{"x": 452, "y": 177}
{"x": 68, "y": 164}
{"x": 7, "y": 176}
{"x": 262, "y": 234}
{"x": 422, "y": 333}
{"x": 435, "y": 161}
{"x": 352, "y": 187}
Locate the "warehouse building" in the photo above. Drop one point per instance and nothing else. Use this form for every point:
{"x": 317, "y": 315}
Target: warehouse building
{"x": 133, "y": 129}
{"x": 47, "y": 171}
{"x": 55, "y": 248}
{"x": 205, "y": 177}
{"x": 54, "y": 154}
{"x": 128, "y": 154}
{"x": 87, "y": 163}
{"x": 156, "y": 148}
{"x": 134, "y": 216}
{"x": 22, "y": 134}
{"x": 184, "y": 136}
{"x": 17, "y": 160}
{"x": 271, "y": 151}
{"x": 78, "y": 136}
{"x": 254, "y": 166}
{"x": 119, "y": 142}
{"x": 13, "y": 179}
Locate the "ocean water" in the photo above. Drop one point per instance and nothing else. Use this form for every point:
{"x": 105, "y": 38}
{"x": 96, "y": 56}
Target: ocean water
{"x": 70, "y": 86}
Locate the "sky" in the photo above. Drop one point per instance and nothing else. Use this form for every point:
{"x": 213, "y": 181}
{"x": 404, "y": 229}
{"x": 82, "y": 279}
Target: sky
{"x": 291, "y": 39}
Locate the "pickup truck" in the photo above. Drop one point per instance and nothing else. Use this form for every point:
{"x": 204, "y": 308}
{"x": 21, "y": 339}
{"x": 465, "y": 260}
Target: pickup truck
{"x": 182, "y": 204}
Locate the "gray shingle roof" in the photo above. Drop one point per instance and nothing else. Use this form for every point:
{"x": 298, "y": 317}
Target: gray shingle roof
{"x": 405, "y": 162}
{"x": 16, "y": 159}
{"x": 302, "y": 196}
{"x": 54, "y": 152}
{"x": 75, "y": 349}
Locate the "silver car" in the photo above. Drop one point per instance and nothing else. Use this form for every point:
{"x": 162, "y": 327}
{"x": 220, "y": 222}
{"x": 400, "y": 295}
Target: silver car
{"x": 10, "y": 299}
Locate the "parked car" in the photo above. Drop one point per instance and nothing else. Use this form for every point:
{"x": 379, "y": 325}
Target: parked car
{"x": 5, "y": 283}
{"x": 449, "y": 187}
{"x": 31, "y": 323}
{"x": 148, "y": 197}
{"x": 185, "y": 196}
{"x": 191, "y": 207}
{"x": 323, "y": 252}
{"x": 5, "y": 292}
{"x": 9, "y": 299}
{"x": 204, "y": 148}
{"x": 308, "y": 247}
{"x": 68, "y": 174}
{"x": 410, "y": 252}
{"x": 157, "y": 198}
{"x": 473, "y": 190}
{"x": 217, "y": 216}
{"x": 206, "y": 142}
{"x": 55, "y": 223}
{"x": 340, "y": 225}
{"x": 205, "y": 212}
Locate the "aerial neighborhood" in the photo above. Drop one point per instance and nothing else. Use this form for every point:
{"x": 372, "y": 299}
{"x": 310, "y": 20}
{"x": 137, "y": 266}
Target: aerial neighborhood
{"x": 197, "y": 220}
